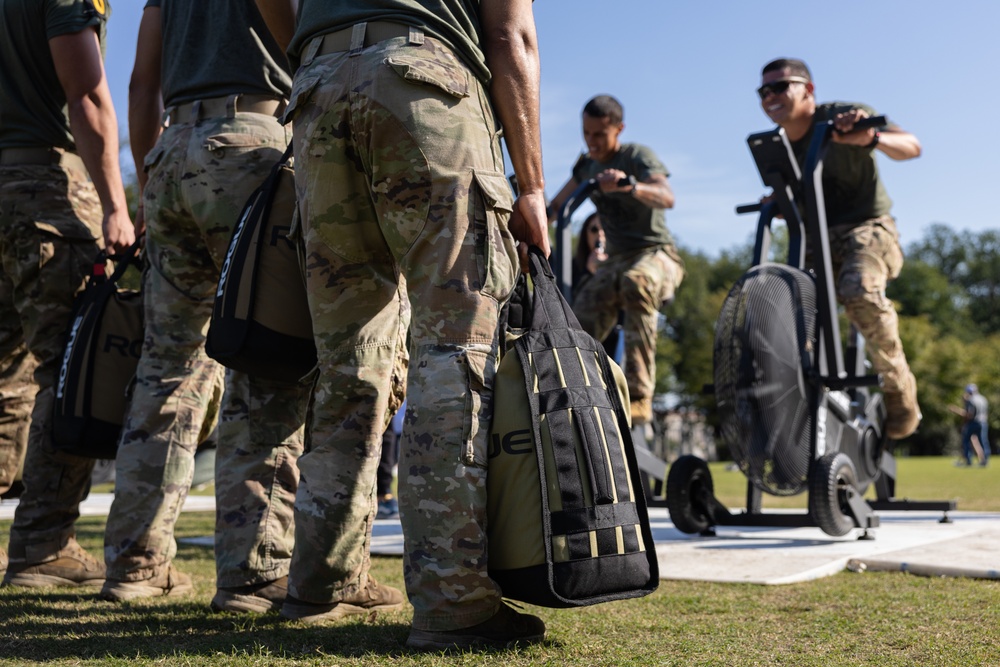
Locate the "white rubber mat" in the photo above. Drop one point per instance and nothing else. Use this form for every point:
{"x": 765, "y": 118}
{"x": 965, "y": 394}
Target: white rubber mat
{"x": 905, "y": 541}
{"x": 969, "y": 546}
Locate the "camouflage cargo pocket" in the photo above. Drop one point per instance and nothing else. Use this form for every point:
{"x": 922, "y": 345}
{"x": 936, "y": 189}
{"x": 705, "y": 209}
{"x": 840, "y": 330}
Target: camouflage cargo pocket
{"x": 153, "y": 156}
{"x": 232, "y": 144}
{"x": 449, "y": 77}
{"x": 886, "y": 239}
{"x": 479, "y": 365}
{"x": 496, "y": 255}
{"x": 674, "y": 273}
{"x": 301, "y": 92}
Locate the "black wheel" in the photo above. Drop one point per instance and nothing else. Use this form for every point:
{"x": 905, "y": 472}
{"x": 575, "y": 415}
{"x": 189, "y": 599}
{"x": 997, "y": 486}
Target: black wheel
{"x": 832, "y": 480}
{"x": 689, "y": 485}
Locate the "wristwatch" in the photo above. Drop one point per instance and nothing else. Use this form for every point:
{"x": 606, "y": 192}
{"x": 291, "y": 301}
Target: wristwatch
{"x": 633, "y": 183}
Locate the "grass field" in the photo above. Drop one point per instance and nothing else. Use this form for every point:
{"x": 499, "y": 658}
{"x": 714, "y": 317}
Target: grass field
{"x": 975, "y": 489}
{"x": 889, "y": 619}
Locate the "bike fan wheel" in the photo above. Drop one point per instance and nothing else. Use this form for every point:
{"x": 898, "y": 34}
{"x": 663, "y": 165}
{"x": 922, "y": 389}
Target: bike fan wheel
{"x": 689, "y": 488}
{"x": 832, "y": 482}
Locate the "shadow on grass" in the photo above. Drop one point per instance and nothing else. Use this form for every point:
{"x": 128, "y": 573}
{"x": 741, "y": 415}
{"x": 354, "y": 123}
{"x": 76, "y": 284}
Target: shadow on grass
{"x": 43, "y": 626}
{"x": 37, "y": 626}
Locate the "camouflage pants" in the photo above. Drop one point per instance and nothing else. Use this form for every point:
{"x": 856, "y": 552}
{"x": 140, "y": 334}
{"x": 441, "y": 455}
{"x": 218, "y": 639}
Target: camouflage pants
{"x": 865, "y": 258}
{"x": 638, "y": 284}
{"x": 50, "y": 218}
{"x": 200, "y": 175}
{"x": 399, "y": 175}
{"x": 17, "y": 393}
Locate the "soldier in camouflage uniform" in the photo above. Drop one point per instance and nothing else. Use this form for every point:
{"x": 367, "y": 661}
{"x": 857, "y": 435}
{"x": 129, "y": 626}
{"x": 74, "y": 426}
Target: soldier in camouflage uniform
{"x": 643, "y": 268}
{"x": 864, "y": 243}
{"x": 403, "y": 198}
{"x": 57, "y": 125}
{"x": 223, "y": 80}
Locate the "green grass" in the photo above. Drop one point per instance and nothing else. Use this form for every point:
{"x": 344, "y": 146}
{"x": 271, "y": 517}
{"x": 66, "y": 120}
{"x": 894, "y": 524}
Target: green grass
{"x": 918, "y": 478}
{"x": 889, "y": 619}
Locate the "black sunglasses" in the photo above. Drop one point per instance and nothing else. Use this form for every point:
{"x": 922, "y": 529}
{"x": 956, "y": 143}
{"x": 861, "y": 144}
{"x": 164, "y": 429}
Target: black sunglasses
{"x": 594, "y": 229}
{"x": 778, "y": 87}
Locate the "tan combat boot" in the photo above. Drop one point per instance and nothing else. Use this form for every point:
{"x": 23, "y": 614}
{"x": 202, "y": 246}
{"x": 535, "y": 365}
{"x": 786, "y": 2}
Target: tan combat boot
{"x": 252, "y": 598}
{"x": 169, "y": 582}
{"x": 902, "y": 408}
{"x": 373, "y": 597}
{"x": 70, "y": 566}
{"x": 506, "y": 628}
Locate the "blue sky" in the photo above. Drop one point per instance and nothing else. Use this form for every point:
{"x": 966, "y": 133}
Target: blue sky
{"x": 686, "y": 71}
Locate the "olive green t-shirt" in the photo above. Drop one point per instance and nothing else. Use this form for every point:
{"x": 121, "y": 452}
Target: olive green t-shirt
{"x": 214, "y": 48}
{"x": 454, "y": 22}
{"x": 628, "y": 223}
{"x": 852, "y": 188}
{"x": 33, "y": 109}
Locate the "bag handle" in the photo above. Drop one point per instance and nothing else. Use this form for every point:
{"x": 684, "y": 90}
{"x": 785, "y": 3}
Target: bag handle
{"x": 122, "y": 260}
{"x": 550, "y": 310}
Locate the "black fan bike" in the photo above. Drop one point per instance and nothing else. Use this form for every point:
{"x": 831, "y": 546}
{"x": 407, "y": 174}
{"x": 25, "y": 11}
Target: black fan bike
{"x": 795, "y": 405}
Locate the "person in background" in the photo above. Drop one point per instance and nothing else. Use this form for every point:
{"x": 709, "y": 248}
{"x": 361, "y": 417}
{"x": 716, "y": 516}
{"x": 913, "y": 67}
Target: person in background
{"x": 975, "y": 431}
{"x": 864, "y": 243}
{"x": 591, "y": 250}
{"x": 388, "y": 505}
{"x": 591, "y": 246}
{"x": 61, "y": 194}
{"x": 643, "y": 268}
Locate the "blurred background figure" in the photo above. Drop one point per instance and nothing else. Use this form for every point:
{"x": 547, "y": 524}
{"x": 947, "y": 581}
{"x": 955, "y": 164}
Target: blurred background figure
{"x": 591, "y": 250}
{"x": 975, "y": 432}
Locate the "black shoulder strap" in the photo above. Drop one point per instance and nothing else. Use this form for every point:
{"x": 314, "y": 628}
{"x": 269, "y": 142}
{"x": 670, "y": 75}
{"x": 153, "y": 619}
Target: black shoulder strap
{"x": 550, "y": 309}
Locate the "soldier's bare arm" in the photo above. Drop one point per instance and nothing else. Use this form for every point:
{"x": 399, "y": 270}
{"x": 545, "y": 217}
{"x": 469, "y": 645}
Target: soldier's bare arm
{"x": 511, "y": 49}
{"x": 279, "y": 15}
{"x": 894, "y": 142}
{"x": 899, "y": 144}
{"x": 77, "y": 58}
{"x": 654, "y": 192}
{"x": 145, "y": 97}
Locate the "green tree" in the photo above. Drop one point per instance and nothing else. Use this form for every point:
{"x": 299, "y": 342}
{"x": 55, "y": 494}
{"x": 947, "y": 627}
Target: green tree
{"x": 943, "y": 249}
{"x": 940, "y": 364}
{"x": 982, "y": 280}
{"x": 684, "y": 352}
{"x": 923, "y": 289}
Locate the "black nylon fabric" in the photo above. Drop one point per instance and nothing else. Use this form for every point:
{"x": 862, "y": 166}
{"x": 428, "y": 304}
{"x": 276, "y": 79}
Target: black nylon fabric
{"x": 595, "y": 472}
{"x": 236, "y": 339}
{"x": 85, "y": 389}
{"x": 594, "y": 518}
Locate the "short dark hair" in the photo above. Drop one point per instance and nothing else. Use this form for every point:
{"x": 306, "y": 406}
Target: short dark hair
{"x": 795, "y": 66}
{"x": 605, "y": 106}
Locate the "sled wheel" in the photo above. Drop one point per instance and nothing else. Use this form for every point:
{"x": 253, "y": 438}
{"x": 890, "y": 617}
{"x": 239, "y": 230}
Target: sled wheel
{"x": 689, "y": 484}
{"x": 832, "y": 479}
